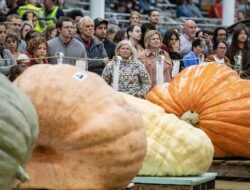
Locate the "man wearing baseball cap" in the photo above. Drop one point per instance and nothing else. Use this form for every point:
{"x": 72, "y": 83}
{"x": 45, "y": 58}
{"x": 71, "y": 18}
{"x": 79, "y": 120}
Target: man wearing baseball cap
{"x": 100, "y": 32}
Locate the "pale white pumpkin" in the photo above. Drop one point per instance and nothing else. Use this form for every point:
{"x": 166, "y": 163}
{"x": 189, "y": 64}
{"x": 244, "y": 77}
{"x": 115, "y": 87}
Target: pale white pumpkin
{"x": 174, "y": 147}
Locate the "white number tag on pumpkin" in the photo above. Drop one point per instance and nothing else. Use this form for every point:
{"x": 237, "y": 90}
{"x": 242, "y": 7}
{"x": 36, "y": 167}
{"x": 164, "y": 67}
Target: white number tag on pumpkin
{"x": 79, "y": 76}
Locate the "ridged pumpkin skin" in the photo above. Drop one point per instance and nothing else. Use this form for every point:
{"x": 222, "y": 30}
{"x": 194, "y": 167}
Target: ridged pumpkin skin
{"x": 18, "y": 133}
{"x": 221, "y": 99}
{"x": 175, "y": 148}
{"x": 90, "y": 137}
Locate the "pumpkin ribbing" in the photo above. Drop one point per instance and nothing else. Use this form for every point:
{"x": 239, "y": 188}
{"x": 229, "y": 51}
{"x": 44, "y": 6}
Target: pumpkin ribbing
{"x": 90, "y": 137}
{"x": 175, "y": 148}
{"x": 220, "y": 97}
{"x": 18, "y": 133}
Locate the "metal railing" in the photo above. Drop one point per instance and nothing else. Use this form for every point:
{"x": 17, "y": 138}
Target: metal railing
{"x": 167, "y": 18}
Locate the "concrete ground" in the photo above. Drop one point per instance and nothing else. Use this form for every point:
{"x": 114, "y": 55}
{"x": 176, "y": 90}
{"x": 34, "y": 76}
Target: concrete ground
{"x": 232, "y": 185}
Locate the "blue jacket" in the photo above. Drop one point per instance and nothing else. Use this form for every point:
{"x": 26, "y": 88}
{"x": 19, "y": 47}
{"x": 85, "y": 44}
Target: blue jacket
{"x": 183, "y": 11}
{"x": 190, "y": 59}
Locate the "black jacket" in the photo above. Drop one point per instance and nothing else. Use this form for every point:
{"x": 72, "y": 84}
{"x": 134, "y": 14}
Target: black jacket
{"x": 96, "y": 51}
{"x": 110, "y": 48}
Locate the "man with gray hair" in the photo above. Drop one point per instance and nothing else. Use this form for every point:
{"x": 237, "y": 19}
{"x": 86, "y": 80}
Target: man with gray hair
{"x": 111, "y": 31}
{"x": 94, "y": 48}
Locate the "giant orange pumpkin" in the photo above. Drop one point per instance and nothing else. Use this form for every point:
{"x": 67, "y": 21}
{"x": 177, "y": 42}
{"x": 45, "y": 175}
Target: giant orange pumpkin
{"x": 214, "y": 98}
{"x": 90, "y": 137}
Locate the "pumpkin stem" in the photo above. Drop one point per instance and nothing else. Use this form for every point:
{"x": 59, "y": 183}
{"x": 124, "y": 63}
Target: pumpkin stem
{"x": 191, "y": 117}
{"x": 21, "y": 174}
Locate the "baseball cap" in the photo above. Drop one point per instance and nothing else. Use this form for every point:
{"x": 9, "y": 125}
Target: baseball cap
{"x": 99, "y": 21}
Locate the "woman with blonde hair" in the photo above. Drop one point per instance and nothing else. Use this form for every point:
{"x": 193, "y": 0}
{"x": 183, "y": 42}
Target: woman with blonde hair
{"x": 128, "y": 73}
{"x": 156, "y": 60}
{"x": 135, "y": 17}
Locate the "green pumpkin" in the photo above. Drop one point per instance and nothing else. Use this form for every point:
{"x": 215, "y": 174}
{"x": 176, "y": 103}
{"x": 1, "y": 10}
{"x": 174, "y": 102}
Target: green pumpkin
{"x": 18, "y": 133}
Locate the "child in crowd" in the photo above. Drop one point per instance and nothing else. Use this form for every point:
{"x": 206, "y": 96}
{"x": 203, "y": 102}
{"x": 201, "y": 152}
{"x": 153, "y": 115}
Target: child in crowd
{"x": 37, "y": 49}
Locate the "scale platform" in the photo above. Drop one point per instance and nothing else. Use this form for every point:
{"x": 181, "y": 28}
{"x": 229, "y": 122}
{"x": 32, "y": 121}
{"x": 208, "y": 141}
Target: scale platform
{"x": 205, "y": 181}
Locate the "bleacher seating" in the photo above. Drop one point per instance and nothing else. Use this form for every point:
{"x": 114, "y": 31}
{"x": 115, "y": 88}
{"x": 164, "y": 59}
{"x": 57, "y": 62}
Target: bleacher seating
{"x": 167, "y": 14}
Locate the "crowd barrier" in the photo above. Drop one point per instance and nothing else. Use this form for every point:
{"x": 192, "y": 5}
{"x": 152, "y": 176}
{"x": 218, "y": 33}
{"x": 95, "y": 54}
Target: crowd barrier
{"x": 160, "y": 59}
{"x": 82, "y": 64}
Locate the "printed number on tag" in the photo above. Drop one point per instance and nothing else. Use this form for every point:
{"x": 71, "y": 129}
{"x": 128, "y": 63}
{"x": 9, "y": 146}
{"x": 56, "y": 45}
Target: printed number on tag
{"x": 80, "y": 76}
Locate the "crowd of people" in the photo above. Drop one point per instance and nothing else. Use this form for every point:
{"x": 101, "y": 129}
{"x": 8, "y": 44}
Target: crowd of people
{"x": 132, "y": 60}
{"x": 180, "y": 8}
